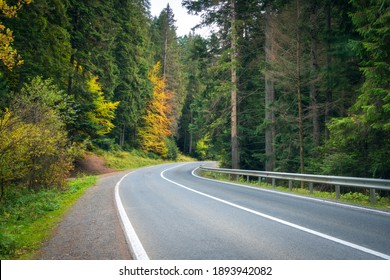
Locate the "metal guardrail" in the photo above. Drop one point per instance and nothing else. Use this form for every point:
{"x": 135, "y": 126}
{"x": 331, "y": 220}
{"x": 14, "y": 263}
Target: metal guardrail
{"x": 337, "y": 181}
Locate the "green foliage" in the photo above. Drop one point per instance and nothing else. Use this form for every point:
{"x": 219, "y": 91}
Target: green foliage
{"x": 173, "y": 150}
{"x": 41, "y": 35}
{"x": 47, "y": 96}
{"x": 104, "y": 112}
{"x": 27, "y": 217}
{"x": 202, "y": 148}
{"x": 34, "y": 147}
{"x": 362, "y": 138}
{"x": 132, "y": 53}
{"x": 168, "y": 53}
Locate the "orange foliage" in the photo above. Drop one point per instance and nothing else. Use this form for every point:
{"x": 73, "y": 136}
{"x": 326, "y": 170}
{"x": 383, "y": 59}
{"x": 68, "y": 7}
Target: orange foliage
{"x": 157, "y": 124}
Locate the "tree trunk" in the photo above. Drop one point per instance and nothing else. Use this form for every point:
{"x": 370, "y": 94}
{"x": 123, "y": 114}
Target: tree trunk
{"x": 234, "y": 136}
{"x": 269, "y": 97}
{"x": 314, "y": 74}
{"x": 329, "y": 92}
{"x": 299, "y": 94}
{"x": 165, "y": 53}
{"x": 122, "y": 136}
{"x": 191, "y": 135}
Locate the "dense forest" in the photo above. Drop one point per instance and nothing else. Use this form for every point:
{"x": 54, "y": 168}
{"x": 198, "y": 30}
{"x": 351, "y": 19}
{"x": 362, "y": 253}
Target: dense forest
{"x": 282, "y": 85}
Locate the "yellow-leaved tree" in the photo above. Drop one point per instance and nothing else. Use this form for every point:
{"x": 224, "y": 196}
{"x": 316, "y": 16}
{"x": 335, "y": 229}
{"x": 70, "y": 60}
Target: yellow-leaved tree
{"x": 104, "y": 112}
{"x": 8, "y": 54}
{"x": 155, "y": 131}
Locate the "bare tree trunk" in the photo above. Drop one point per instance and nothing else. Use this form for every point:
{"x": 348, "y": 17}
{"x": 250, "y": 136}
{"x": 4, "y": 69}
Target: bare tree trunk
{"x": 191, "y": 135}
{"x": 165, "y": 53}
{"x": 299, "y": 95}
{"x": 269, "y": 97}
{"x": 314, "y": 74}
{"x": 122, "y": 136}
{"x": 234, "y": 136}
{"x": 329, "y": 92}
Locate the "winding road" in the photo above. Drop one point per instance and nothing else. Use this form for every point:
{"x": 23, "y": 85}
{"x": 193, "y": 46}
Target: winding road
{"x": 168, "y": 212}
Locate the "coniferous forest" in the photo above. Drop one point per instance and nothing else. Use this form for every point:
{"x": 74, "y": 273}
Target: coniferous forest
{"x": 282, "y": 85}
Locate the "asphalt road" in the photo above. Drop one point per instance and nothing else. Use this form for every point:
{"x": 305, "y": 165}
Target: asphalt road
{"x": 176, "y": 215}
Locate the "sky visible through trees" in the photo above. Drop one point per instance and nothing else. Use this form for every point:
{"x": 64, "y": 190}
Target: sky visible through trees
{"x": 292, "y": 86}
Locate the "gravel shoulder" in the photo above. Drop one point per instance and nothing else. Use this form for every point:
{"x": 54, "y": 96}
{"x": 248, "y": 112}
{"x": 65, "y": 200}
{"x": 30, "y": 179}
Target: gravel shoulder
{"x": 91, "y": 230}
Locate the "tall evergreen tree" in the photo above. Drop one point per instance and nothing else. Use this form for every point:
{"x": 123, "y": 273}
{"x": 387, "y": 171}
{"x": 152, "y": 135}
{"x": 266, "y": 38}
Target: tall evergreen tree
{"x": 41, "y": 34}
{"x": 168, "y": 53}
{"x": 133, "y": 59}
{"x": 224, "y": 15}
{"x": 359, "y": 143}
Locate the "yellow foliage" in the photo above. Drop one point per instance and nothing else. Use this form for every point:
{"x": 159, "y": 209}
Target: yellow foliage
{"x": 104, "y": 111}
{"x": 34, "y": 153}
{"x": 8, "y": 55}
{"x": 156, "y": 122}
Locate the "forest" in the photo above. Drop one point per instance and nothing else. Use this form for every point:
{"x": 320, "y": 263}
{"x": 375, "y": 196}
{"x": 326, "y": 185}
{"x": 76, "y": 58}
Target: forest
{"x": 279, "y": 85}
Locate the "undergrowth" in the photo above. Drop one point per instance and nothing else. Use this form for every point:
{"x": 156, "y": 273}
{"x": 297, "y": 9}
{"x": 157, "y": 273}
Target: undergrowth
{"x": 28, "y": 217}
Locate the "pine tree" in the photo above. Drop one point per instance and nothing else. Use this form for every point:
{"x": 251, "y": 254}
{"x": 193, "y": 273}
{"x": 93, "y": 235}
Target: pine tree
{"x": 169, "y": 54}
{"x": 359, "y": 143}
{"x": 133, "y": 59}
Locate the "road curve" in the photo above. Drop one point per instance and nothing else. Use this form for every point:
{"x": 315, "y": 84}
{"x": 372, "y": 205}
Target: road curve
{"x": 176, "y": 215}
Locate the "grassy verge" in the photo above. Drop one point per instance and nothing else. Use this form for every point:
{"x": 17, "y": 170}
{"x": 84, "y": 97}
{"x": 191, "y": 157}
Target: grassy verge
{"x": 354, "y": 198}
{"x": 122, "y": 160}
{"x": 27, "y": 218}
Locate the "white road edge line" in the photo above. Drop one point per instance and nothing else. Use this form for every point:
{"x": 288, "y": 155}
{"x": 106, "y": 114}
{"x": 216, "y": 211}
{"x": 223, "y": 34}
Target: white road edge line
{"x": 133, "y": 241}
{"x": 304, "y": 229}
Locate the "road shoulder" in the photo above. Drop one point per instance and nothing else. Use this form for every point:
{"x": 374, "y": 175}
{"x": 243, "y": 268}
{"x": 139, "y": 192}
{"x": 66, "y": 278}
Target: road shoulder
{"x": 91, "y": 230}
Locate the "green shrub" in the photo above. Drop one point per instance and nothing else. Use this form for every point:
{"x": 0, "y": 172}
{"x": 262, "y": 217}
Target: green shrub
{"x": 34, "y": 146}
{"x": 173, "y": 150}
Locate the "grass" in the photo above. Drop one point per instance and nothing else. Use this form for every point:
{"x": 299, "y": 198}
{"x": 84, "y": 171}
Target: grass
{"x": 122, "y": 160}
{"x": 354, "y": 198}
{"x": 27, "y": 218}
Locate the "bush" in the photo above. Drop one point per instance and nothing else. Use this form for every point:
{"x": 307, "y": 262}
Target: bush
{"x": 173, "y": 150}
{"x": 7, "y": 245}
{"x": 34, "y": 147}
{"x": 106, "y": 144}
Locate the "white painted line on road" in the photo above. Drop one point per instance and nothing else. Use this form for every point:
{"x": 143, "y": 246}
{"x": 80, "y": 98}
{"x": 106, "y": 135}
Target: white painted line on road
{"x": 133, "y": 241}
{"x": 301, "y": 228}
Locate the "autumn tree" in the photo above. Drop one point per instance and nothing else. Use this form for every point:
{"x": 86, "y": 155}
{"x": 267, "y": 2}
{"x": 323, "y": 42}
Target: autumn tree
{"x": 168, "y": 52}
{"x": 103, "y": 113}
{"x": 34, "y": 147}
{"x": 8, "y": 54}
{"x": 156, "y": 127}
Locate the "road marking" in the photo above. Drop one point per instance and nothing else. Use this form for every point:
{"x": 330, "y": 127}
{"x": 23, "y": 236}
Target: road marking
{"x": 301, "y": 228}
{"x": 133, "y": 241}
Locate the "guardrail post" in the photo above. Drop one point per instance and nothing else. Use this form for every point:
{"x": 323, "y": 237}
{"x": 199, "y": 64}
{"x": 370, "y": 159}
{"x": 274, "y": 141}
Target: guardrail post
{"x": 259, "y": 181}
{"x": 337, "y": 191}
{"x": 311, "y": 187}
{"x": 273, "y": 183}
{"x": 290, "y": 185}
{"x": 247, "y": 178}
{"x": 372, "y": 196}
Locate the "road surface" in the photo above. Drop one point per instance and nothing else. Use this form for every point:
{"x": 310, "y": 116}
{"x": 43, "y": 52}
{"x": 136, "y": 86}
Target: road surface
{"x": 176, "y": 215}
